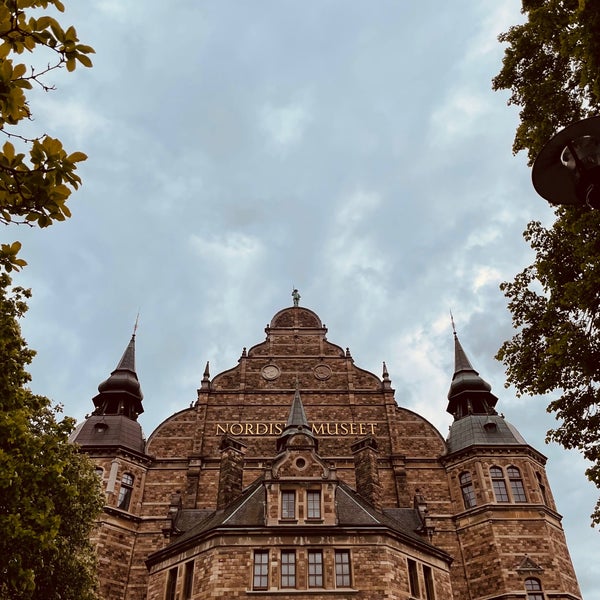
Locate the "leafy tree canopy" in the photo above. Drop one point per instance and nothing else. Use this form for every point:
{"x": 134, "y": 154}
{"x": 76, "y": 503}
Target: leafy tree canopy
{"x": 552, "y": 68}
{"x": 37, "y": 175}
{"x": 49, "y": 493}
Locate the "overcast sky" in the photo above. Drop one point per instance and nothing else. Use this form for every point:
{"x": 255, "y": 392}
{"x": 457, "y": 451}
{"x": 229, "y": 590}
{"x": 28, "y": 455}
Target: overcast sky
{"x": 354, "y": 150}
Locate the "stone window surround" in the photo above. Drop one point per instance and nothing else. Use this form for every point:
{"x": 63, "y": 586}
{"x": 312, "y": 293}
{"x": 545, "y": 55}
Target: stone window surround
{"x": 507, "y": 484}
{"x": 301, "y": 564}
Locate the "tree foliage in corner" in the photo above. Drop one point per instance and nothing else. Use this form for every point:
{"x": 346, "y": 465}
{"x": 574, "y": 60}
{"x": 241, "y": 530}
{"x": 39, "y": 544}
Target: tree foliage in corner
{"x": 49, "y": 493}
{"x": 37, "y": 175}
{"x": 552, "y": 68}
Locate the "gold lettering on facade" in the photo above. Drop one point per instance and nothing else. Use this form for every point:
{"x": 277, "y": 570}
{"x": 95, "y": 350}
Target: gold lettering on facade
{"x": 331, "y": 429}
{"x": 233, "y": 429}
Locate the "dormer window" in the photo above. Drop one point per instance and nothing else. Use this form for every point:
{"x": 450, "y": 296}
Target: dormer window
{"x": 288, "y": 504}
{"x": 313, "y": 504}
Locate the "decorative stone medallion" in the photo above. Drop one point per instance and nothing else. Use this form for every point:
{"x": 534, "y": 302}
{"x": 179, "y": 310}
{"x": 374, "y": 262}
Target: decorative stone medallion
{"x": 322, "y": 372}
{"x": 271, "y": 372}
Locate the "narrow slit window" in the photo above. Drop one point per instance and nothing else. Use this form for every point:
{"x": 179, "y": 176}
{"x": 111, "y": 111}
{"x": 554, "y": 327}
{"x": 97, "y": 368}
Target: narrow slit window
{"x": 413, "y": 578}
{"x": 171, "y": 584}
{"x": 429, "y": 587}
{"x": 188, "y": 580}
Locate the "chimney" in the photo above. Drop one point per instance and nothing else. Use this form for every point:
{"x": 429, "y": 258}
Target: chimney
{"x": 231, "y": 472}
{"x": 366, "y": 470}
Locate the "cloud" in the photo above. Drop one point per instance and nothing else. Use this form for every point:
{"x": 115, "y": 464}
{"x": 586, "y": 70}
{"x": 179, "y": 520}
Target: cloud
{"x": 284, "y": 125}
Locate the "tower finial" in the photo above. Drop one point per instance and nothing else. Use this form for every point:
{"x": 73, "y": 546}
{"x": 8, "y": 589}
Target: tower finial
{"x": 135, "y": 325}
{"x": 452, "y": 321}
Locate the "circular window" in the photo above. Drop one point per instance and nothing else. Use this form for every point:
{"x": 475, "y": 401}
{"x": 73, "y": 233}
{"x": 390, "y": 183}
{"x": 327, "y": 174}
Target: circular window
{"x": 300, "y": 463}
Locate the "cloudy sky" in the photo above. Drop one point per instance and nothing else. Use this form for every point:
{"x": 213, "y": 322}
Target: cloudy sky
{"x": 354, "y": 150}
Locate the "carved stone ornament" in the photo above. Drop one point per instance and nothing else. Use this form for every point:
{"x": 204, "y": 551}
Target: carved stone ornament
{"x": 271, "y": 372}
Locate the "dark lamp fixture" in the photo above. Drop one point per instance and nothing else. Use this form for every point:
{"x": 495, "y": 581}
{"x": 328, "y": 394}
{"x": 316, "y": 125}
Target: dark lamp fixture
{"x": 567, "y": 170}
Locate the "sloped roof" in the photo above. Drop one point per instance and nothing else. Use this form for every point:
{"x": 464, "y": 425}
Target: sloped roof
{"x": 482, "y": 430}
{"x": 248, "y": 511}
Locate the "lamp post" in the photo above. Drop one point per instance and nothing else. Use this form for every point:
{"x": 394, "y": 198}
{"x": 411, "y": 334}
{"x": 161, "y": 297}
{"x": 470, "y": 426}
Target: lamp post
{"x": 567, "y": 170}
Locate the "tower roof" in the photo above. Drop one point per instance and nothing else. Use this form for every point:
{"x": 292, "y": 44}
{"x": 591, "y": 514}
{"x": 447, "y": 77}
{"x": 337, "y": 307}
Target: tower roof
{"x": 472, "y": 403}
{"x": 117, "y": 406}
{"x": 121, "y": 393}
{"x": 469, "y": 393}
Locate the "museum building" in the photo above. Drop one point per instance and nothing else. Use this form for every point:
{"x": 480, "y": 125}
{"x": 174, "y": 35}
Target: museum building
{"x": 297, "y": 474}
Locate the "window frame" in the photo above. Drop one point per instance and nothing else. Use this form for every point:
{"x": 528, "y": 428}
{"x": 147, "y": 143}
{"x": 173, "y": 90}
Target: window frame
{"x": 288, "y": 505}
{"x": 188, "y": 579}
{"x": 171, "y": 585}
{"x": 533, "y": 587}
{"x": 313, "y": 504}
{"x": 260, "y": 570}
{"x": 517, "y": 488}
{"x": 413, "y": 578}
{"x": 287, "y": 575}
{"x": 125, "y": 491}
{"x": 499, "y": 485}
{"x": 343, "y": 569}
{"x": 429, "y": 583}
{"x": 315, "y": 569}
{"x": 467, "y": 489}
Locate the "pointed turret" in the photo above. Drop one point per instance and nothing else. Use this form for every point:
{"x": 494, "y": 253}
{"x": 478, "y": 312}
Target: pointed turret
{"x": 472, "y": 403}
{"x": 117, "y": 406}
{"x": 469, "y": 393}
{"x": 297, "y": 423}
{"x": 121, "y": 393}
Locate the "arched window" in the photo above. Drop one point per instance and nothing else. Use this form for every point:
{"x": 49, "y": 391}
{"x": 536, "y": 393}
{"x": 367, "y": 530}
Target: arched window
{"x": 468, "y": 492}
{"x": 125, "y": 491}
{"x": 499, "y": 485}
{"x": 516, "y": 484}
{"x": 534, "y": 589}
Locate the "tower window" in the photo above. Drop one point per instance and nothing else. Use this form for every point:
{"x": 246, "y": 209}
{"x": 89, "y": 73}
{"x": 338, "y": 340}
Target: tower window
{"x": 313, "y": 504}
{"x": 342, "y": 568}
{"x": 534, "y": 589}
{"x": 499, "y": 485}
{"x": 288, "y": 504}
{"x": 288, "y": 568}
{"x": 468, "y": 492}
{"x": 125, "y": 491}
{"x": 315, "y": 568}
{"x": 516, "y": 484}
{"x": 413, "y": 578}
{"x": 261, "y": 570}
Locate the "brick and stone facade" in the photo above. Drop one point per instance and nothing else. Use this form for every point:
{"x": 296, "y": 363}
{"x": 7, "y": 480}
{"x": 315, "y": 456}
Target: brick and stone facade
{"x": 382, "y": 506}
